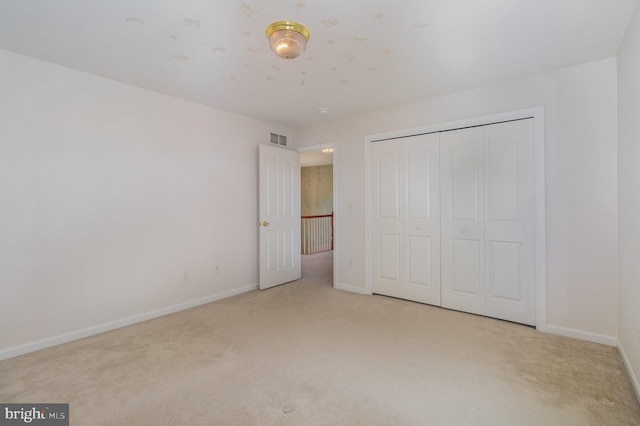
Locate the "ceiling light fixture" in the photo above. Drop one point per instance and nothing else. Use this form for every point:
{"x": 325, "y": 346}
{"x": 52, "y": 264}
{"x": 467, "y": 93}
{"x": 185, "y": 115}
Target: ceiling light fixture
{"x": 287, "y": 39}
{"x": 327, "y": 150}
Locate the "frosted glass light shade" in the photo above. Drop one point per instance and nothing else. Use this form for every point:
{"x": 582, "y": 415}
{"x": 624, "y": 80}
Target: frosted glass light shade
{"x": 287, "y": 39}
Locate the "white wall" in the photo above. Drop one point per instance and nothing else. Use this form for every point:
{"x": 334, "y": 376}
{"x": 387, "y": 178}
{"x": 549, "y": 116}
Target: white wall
{"x": 109, "y": 193}
{"x": 580, "y": 157}
{"x": 629, "y": 197}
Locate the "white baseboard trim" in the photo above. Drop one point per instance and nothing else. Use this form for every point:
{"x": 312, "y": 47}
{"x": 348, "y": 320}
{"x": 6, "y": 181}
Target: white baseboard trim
{"x": 632, "y": 375}
{"x": 351, "y": 288}
{"x": 583, "y": 335}
{"x": 91, "y": 331}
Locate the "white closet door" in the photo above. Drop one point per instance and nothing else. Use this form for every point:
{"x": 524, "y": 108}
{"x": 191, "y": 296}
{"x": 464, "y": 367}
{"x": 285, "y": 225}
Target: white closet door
{"x": 509, "y": 225}
{"x": 462, "y": 168}
{"x": 387, "y": 223}
{"x": 488, "y": 221}
{"x": 405, "y": 218}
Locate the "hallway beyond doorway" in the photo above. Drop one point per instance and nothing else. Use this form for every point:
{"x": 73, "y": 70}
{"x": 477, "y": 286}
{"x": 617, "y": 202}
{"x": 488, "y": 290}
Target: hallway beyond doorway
{"x": 318, "y": 267}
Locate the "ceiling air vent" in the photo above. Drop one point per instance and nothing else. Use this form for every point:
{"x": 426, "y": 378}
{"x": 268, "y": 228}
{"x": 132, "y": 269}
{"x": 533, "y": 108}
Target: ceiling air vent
{"x": 278, "y": 139}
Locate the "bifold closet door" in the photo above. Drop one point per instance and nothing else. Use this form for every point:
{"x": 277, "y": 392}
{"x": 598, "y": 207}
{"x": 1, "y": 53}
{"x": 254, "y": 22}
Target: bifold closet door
{"x": 462, "y": 228}
{"x": 406, "y": 218}
{"x": 487, "y": 223}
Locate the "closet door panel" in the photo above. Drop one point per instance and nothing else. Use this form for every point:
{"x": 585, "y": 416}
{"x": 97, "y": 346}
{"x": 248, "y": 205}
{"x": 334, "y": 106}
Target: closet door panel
{"x": 509, "y": 180}
{"x": 405, "y": 218}
{"x": 387, "y": 247}
{"x": 502, "y": 179}
{"x": 465, "y": 172}
{"x": 389, "y": 257}
{"x": 419, "y": 267}
{"x": 419, "y": 164}
{"x": 504, "y": 270}
{"x": 389, "y": 186}
{"x": 462, "y": 227}
{"x": 466, "y": 257}
{"x": 422, "y": 222}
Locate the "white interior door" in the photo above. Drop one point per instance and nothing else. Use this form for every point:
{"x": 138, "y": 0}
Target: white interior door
{"x": 279, "y": 209}
{"x": 405, "y": 218}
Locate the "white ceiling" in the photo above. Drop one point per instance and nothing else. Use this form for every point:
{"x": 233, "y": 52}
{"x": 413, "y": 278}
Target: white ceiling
{"x": 363, "y": 55}
{"x": 315, "y": 158}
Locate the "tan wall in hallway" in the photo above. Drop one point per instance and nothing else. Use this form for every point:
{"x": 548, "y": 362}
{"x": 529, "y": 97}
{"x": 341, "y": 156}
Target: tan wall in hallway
{"x": 317, "y": 190}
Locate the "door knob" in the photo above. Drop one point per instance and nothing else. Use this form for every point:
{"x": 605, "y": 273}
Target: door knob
{"x": 265, "y": 223}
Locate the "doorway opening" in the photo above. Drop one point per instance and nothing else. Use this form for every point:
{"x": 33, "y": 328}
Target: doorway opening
{"x": 317, "y": 213}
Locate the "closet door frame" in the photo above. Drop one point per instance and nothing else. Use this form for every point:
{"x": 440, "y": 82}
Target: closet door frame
{"x": 537, "y": 113}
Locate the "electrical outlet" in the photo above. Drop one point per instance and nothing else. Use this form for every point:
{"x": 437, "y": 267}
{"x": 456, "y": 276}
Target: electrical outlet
{"x": 217, "y": 270}
{"x": 185, "y": 276}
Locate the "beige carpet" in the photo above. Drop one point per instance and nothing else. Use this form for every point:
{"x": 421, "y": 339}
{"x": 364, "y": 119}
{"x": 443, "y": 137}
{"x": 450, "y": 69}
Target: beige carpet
{"x": 305, "y": 354}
